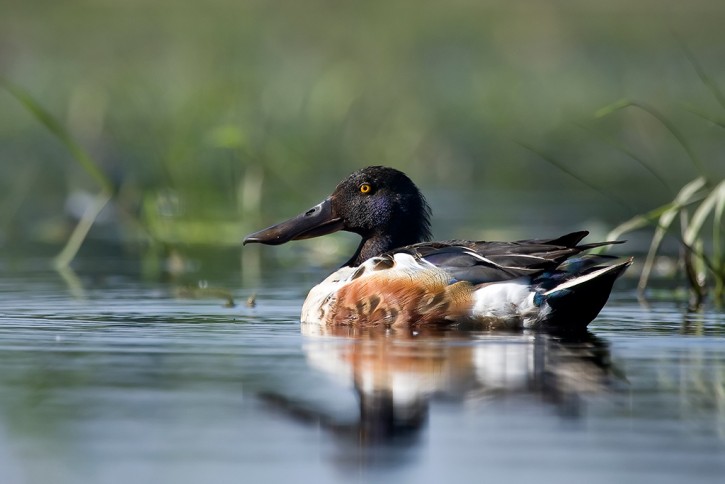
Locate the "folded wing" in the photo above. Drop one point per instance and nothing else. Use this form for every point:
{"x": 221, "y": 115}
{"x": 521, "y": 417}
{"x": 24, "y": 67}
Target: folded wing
{"x": 484, "y": 262}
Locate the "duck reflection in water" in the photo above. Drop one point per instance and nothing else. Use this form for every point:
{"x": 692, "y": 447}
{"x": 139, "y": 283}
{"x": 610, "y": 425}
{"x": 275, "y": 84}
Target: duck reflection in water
{"x": 396, "y": 372}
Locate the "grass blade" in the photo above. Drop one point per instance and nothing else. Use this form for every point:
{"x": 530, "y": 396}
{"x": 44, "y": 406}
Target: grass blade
{"x": 625, "y": 103}
{"x": 81, "y": 230}
{"x": 562, "y": 167}
{"x": 638, "y": 221}
{"x": 707, "y": 80}
{"x": 611, "y": 141}
{"x": 54, "y": 126}
{"x": 707, "y": 117}
{"x": 683, "y": 198}
{"x": 705, "y": 208}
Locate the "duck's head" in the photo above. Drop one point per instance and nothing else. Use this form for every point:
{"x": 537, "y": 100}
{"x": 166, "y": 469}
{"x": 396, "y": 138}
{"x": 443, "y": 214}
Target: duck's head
{"x": 380, "y": 204}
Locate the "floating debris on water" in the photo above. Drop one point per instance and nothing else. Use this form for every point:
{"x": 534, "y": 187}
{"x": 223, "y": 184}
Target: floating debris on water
{"x": 202, "y": 291}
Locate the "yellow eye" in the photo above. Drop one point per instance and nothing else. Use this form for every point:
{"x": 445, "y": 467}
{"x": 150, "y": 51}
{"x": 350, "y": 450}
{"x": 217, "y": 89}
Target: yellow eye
{"x": 366, "y": 188}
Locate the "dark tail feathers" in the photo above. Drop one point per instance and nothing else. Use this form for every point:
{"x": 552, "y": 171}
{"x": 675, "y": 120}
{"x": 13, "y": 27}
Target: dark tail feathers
{"x": 577, "y": 301}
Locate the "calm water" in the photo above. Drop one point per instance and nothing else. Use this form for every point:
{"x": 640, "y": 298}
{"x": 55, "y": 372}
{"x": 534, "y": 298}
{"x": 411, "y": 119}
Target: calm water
{"x": 118, "y": 381}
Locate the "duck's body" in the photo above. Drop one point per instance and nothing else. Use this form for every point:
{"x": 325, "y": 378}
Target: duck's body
{"x": 396, "y": 278}
{"x": 526, "y": 284}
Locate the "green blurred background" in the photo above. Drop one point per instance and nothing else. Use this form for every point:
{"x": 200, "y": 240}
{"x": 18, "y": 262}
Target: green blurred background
{"x": 216, "y": 118}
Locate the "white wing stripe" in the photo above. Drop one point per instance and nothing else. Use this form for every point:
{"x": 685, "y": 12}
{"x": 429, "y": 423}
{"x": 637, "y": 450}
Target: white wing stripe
{"x": 578, "y": 280}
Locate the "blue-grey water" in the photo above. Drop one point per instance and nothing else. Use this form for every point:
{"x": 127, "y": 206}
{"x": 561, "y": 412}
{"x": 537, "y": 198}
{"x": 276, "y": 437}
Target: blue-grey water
{"x": 109, "y": 379}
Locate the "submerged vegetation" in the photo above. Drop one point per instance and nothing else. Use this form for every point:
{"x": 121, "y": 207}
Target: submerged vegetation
{"x": 177, "y": 128}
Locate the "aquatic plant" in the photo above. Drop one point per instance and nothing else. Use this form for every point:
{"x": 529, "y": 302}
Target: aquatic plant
{"x": 697, "y": 201}
{"x": 159, "y": 214}
{"x": 81, "y": 156}
{"x": 708, "y": 201}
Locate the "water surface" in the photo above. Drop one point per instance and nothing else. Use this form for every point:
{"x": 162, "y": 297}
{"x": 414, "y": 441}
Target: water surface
{"x": 117, "y": 380}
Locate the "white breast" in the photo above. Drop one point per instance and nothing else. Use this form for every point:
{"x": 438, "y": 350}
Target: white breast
{"x": 322, "y": 296}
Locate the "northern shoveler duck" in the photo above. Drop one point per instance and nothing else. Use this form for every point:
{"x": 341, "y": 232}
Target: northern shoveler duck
{"x": 398, "y": 278}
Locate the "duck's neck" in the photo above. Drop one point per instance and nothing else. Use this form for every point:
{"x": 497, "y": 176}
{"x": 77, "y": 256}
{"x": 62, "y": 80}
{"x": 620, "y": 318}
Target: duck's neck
{"x": 368, "y": 248}
{"x": 377, "y": 245}
{"x": 410, "y": 227}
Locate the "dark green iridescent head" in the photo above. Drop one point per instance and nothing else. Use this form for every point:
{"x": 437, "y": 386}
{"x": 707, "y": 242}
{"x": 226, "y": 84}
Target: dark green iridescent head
{"x": 380, "y": 204}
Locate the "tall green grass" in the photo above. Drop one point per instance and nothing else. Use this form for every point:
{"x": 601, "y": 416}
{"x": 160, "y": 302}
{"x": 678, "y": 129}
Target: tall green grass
{"x": 698, "y": 201}
{"x": 84, "y": 160}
